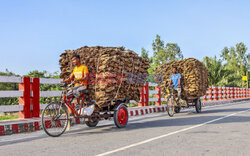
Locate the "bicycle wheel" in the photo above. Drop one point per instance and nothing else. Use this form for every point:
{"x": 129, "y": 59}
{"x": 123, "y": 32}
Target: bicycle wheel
{"x": 55, "y": 119}
{"x": 170, "y": 107}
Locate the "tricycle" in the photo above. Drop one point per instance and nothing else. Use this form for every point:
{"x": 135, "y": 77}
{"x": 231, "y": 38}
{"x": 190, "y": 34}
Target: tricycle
{"x": 174, "y": 104}
{"x": 56, "y": 118}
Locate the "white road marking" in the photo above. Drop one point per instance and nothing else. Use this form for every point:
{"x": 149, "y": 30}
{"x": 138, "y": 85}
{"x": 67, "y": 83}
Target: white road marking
{"x": 168, "y": 134}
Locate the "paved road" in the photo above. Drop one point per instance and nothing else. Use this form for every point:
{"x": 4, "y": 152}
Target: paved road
{"x": 218, "y": 130}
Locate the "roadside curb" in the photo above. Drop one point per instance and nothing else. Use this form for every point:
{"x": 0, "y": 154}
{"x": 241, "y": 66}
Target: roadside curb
{"x": 8, "y": 127}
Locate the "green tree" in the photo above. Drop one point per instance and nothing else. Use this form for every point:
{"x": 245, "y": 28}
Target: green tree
{"x": 163, "y": 53}
{"x": 167, "y": 53}
{"x": 217, "y": 73}
{"x": 236, "y": 59}
{"x": 43, "y": 74}
{"x": 144, "y": 53}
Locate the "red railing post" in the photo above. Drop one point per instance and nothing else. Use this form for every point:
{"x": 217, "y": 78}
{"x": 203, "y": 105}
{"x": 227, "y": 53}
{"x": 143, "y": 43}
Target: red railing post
{"x": 236, "y": 92}
{"x": 224, "y": 93}
{"x": 215, "y": 93}
{"x": 146, "y": 95}
{"x": 210, "y": 93}
{"x": 35, "y": 98}
{"x": 25, "y": 99}
{"x": 228, "y": 92}
{"x": 158, "y": 96}
{"x": 142, "y": 97}
{"x": 220, "y": 93}
{"x": 240, "y": 92}
{"x": 231, "y": 92}
{"x": 205, "y": 97}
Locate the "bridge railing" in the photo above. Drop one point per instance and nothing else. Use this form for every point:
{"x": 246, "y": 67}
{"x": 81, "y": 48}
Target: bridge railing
{"x": 29, "y": 94}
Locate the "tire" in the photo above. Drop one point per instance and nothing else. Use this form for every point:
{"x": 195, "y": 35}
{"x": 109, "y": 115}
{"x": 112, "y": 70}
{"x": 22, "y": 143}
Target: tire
{"x": 92, "y": 123}
{"x": 170, "y": 107}
{"x": 198, "y": 105}
{"x": 121, "y": 116}
{"x": 177, "y": 109}
{"x": 54, "y": 122}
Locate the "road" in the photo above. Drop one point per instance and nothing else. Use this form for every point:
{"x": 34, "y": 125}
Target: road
{"x": 218, "y": 130}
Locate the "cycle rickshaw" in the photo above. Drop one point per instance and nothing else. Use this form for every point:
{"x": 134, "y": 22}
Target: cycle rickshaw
{"x": 55, "y": 116}
{"x": 174, "y": 105}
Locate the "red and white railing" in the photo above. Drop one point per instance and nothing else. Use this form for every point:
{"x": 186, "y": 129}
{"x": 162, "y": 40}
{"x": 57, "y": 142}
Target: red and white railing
{"x": 220, "y": 93}
{"x": 29, "y": 94}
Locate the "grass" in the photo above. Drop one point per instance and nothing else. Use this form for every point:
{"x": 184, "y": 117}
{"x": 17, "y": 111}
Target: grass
{"x": 8, "y": 117}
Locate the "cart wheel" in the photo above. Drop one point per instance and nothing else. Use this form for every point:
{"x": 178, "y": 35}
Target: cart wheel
{"x": 121, "y": 116}
{"x": 170, "y": 107}
{"x": 198, "y": 105}
{"x": 177, "y": 109}
{"x": 94, "y": 121}
{"x": 91, "y": 123}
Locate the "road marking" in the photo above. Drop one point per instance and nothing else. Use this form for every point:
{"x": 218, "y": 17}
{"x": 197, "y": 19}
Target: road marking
{"x": 168, "y": 134}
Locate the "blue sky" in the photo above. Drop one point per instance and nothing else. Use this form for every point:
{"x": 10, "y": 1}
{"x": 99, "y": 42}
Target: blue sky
{"x": 34, "y": 33}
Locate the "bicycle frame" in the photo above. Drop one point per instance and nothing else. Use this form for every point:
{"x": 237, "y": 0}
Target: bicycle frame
{"x": 171, "y": 93}
{"x": 67, "y": 102}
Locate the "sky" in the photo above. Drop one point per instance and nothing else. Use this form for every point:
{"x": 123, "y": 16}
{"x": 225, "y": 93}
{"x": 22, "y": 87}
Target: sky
{"x": 33, "y": 33}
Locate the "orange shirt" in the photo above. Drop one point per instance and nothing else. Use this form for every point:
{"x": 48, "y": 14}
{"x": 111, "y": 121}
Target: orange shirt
{"x": 79, "y": 73}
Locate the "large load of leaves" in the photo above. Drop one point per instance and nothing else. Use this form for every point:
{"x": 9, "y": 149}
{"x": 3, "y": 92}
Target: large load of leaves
{"x": 194, "y": 81}
{"x": 115, "y": 73}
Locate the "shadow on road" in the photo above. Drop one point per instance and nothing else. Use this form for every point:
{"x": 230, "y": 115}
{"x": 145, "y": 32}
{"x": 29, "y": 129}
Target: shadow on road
{"x": 223, "y": 110}
{"x": 181, "y": 119}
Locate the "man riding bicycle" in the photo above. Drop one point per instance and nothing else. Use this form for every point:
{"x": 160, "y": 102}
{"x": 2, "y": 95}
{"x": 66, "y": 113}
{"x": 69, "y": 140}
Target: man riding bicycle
{"x": 175, "y": 79}
{"x": 79, "y": 77}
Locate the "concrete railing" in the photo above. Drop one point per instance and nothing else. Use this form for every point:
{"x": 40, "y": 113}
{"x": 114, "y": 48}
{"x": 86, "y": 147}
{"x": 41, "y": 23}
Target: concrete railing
{"x": 29, "y": 94}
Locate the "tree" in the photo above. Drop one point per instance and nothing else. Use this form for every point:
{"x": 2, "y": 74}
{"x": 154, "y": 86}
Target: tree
{"x": 43, "y": 74}
{"x": 167, "y": 53}
{"x": 161, "y": 53}
{"x": 236, "y": 59}
{"x": 144, "y": 53}
{"x": 217, "y": 74}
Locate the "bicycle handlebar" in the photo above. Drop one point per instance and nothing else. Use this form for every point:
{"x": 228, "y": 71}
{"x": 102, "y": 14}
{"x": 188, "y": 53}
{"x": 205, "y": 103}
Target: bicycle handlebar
{"x": 66, "y": 85}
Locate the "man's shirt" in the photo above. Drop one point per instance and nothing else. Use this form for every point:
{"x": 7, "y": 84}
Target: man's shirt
{"x": 79, "y": 73}
{"x": 175, "y": 79}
